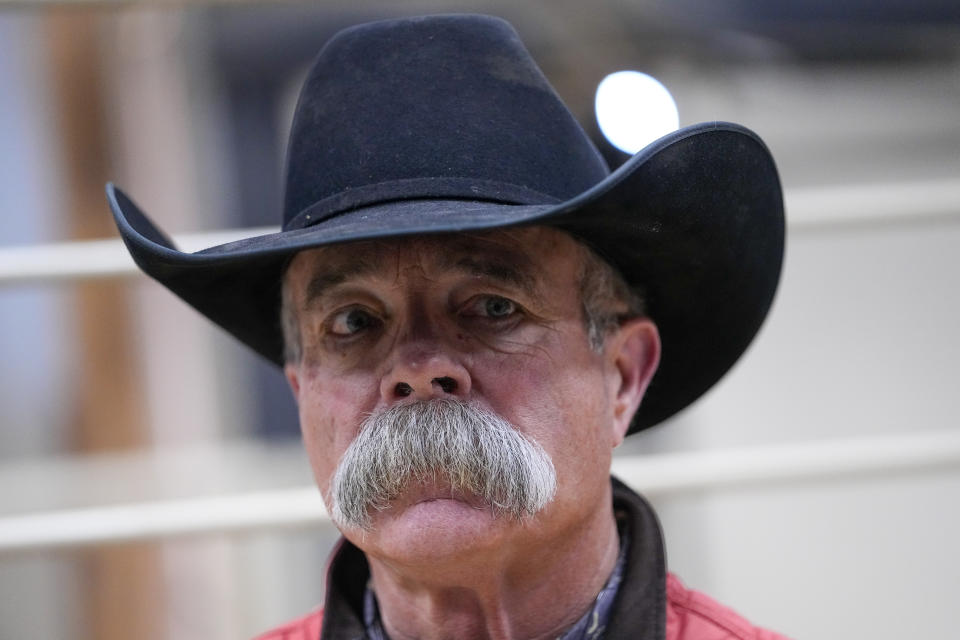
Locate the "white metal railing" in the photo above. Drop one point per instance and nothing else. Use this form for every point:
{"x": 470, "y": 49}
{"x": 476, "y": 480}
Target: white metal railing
{"x": 91, "y": 259}
{"x": 808, "y": 209}
{"x": 654, "y": 475}
{"x": 870, "y": 205}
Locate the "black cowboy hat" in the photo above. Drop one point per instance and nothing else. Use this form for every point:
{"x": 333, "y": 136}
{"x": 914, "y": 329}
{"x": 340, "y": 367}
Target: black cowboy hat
{"x": 445, "y": 124}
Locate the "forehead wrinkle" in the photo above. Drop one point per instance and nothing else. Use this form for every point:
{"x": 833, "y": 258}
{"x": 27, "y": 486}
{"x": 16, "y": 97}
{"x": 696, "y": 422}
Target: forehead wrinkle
{"x": 482, "y": 255}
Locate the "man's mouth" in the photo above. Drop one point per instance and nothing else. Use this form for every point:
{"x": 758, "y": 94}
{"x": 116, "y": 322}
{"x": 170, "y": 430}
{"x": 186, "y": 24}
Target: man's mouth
{"x": 418, "y": 492}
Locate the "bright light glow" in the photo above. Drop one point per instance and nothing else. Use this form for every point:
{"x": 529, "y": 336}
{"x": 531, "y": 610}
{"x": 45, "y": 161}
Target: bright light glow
{"x": 634, "y": 109}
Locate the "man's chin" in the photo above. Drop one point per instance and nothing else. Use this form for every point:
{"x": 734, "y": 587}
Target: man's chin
{"x": 433, "y": 528}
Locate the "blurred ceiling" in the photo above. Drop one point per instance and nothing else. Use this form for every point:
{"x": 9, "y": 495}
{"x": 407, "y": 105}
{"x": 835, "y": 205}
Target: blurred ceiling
{"x": 855, "y": 91}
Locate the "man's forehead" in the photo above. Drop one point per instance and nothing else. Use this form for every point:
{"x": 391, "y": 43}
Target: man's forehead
{"x": 517, "y": 254}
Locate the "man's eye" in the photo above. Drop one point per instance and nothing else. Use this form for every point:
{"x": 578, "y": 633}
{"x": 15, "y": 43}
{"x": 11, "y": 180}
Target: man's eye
{"x": 491, "y": 308}
{"x": 497, "y": 307}
{"x": 352, "y": 321}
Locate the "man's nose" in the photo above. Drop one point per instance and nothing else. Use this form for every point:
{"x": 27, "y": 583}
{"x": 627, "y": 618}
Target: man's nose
{"x": 422, "y": 373}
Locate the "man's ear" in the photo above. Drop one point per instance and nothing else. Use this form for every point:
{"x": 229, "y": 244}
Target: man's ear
{"x": 633, "y": 352}
{"x": 292, "y": 373}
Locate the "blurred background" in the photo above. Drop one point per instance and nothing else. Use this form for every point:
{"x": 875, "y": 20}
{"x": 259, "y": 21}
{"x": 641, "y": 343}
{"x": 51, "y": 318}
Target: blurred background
{"x": 815, "y": 489}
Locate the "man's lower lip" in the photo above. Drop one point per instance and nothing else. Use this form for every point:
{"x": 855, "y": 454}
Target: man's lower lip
{"x": 462, "y": 501}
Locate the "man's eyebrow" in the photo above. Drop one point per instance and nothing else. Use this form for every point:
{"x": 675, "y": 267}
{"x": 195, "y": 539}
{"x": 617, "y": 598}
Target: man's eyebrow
{"x": 322, "y": 282}
{"x": 506, "y": 270}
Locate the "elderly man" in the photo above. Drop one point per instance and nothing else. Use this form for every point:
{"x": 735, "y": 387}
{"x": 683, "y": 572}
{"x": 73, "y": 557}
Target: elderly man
{"x": 470, "y": 311}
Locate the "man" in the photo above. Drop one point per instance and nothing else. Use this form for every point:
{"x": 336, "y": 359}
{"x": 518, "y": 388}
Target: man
{"x": 472, "y": 315}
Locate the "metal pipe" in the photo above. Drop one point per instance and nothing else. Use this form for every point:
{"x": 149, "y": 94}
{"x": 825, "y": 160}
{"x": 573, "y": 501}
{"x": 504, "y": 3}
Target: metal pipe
{"x": 93, "y": 259}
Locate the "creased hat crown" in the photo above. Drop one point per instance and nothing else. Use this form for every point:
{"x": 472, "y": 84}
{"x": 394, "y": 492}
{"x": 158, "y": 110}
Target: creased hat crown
{"x": 445, "y": 107}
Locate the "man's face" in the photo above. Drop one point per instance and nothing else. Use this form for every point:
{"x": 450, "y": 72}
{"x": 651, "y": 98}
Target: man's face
{"x": 492, "y": 319}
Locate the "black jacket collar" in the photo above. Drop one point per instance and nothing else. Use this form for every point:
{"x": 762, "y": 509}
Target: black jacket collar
{"x": 639, "y": 612}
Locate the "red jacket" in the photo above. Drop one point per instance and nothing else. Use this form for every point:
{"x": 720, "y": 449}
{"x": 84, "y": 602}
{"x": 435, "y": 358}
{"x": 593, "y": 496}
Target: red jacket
{"x": 691, "y": 615}
{"x": 650, "y": 604}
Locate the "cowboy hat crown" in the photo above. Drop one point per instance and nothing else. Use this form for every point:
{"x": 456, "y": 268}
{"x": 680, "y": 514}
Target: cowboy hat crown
{"x": 438, "y": 107}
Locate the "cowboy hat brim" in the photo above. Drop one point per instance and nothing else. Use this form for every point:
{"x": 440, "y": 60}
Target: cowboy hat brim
{"x": 695, "y": 219}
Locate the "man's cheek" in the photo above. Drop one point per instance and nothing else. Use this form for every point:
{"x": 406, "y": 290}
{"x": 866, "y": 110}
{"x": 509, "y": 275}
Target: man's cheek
{"x": 319, "y": 434}
{"x": 338, "y": 400}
